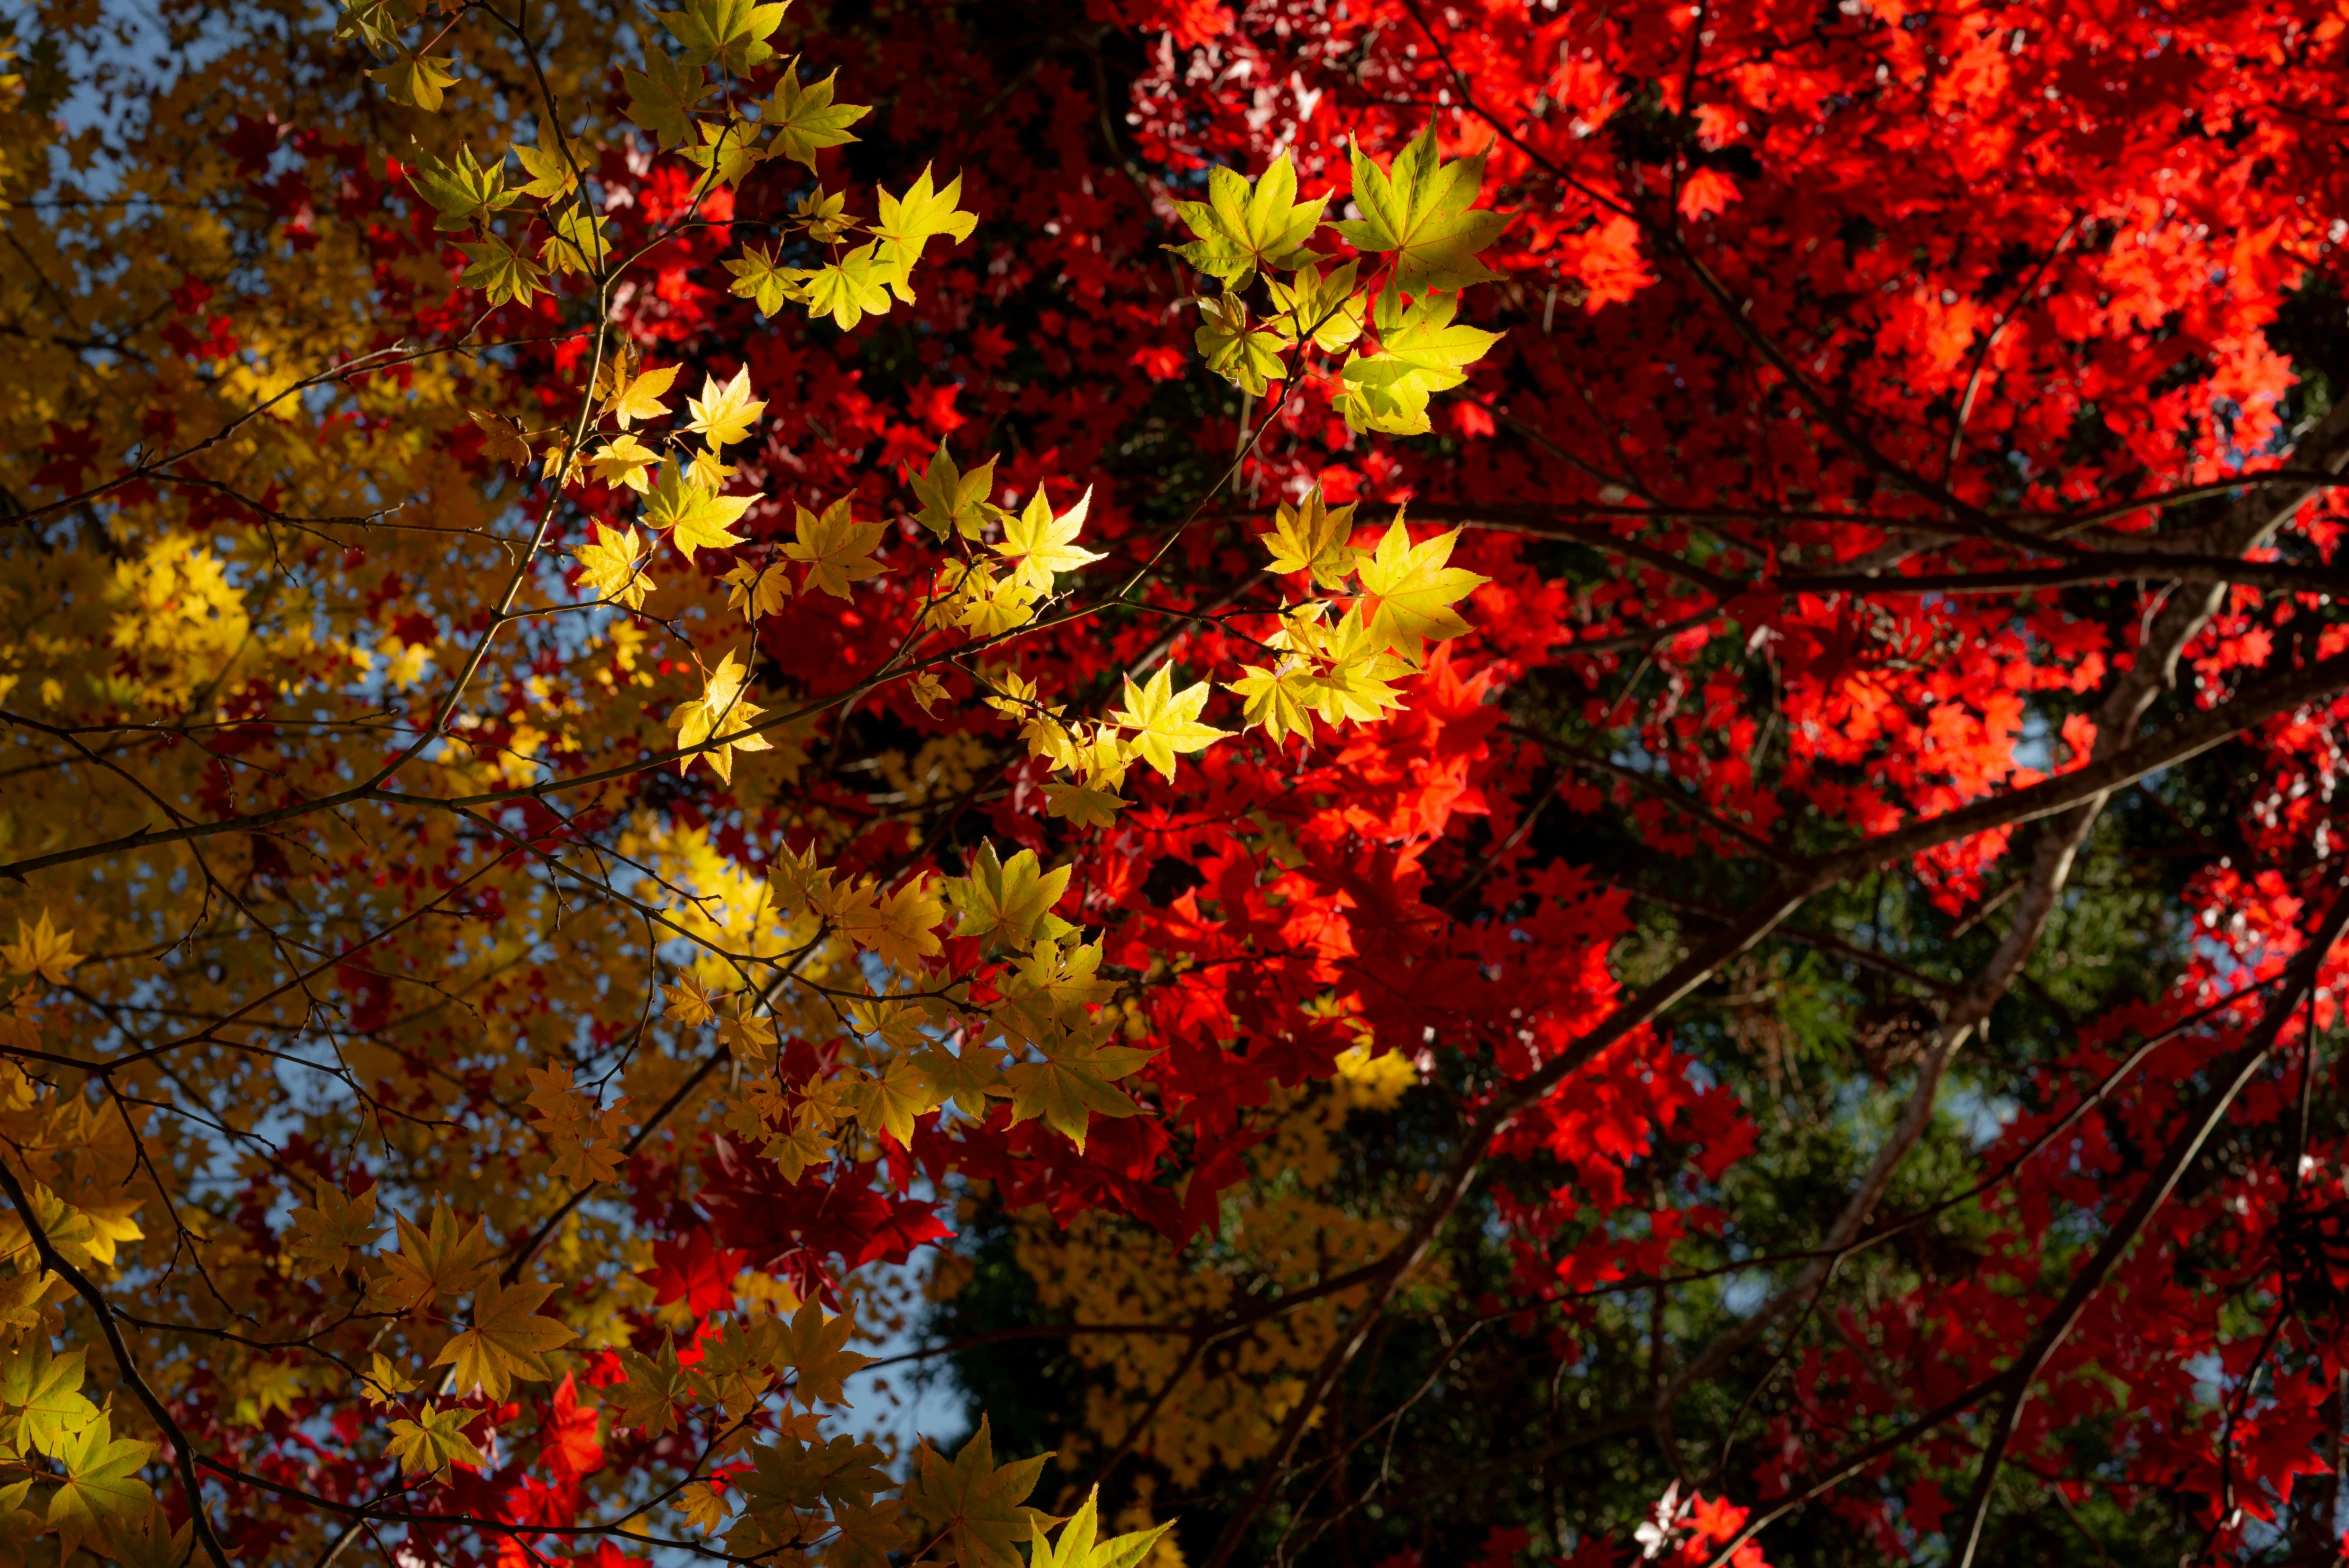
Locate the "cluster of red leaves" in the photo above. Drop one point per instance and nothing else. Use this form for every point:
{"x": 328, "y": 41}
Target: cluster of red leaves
{"x": 2035, "y": 248}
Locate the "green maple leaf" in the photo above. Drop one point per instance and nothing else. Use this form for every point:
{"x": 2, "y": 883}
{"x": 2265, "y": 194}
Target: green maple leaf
{"x": 1279, "y": 698}
{"x": 101, "y": 1493}
{"x": 661, "y": 97}
{"x": 1009, "y": 902}
{"x": 850, "y": 289}
{"x": 498, "y": 270}
{"x": 1076, "y": 1081}
{"x": 42, "y": 1395}
{"x": 1421, "y": 212}
{"x": 648, "y": 1400}
{"x": 759, "y": 280}
{"x": 1323, "y": 308}
{"x": 805, "y": 119}
{"x": 725, "y": 152}
{"x": 1243, "y": 230}
{"x": 551, "y": 178}
{"x": 1420, "y": 352}
{"x": 1249, "y": 357}
{"x": 433, "y": 1442}
{"x": 962, "y": 1079}
{"x": 578, "y": 243}
{"x": 463, "y": 191}
{"x": 907, "y": 225}
{"x": 1168, "y": 720}
{"x": 701, "y": 518}
{"x": 732, "y": 32}
{"x": 974, "y": 1501}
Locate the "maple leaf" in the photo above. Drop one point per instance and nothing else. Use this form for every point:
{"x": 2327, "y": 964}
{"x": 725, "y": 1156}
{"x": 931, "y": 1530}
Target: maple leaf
{"x": 725, "y": 151}
{"x": 1080, "y": 1545}
{"x": 506, "y": 275}
{"x": 732, "y": 32}
{"x": 578, "y": 242}
{"x": 903, "y": 931}
{"x": 647, "y": 1400}
{"x": 837, "y": 548}
{"x": 704, "y": 1506}
{"x": 890, "y": 1103}
{"x": 697, "y": 517}
{"x": 1167, "y": 721}
{"x": 816, "y": 1356}
{"x": 638, "y": 396}
{"x": 567, "y": 1438}
{"x": 1043, "y": 545}
{"x": 41, "y": 949}
{"x": 1415, "y": 590}
{"x": 551, "y": 175}
{"x": 689, "y": 1003}
{"x": 1326, "y": 310}
{"x": 805, "y": 120}
{"x": 1086, "y": 804}
{"x": 724, "y": 414}
{"x": 954, "y": 502}
{"x": 1311, "y": 537}
{"x": 662, "y": 96}
{"x": 330, "y": 1229}
{"x": 1278, "y": 698}
{"x": 624, "y": 460}
{"x": 850, "y": 289}
{"x": 41, "y": 1395}
{"x": 973, "y": 1501}
{"x": 1076, "y": 1080}
{"x": 146, "y": 1541}
{"x": 434, "y": 1441}
{"x": 719, "y": 718}
{"x": 465, "y": 193}
{"x": 101, "y": 1493}
{"x": 502, "y": 439}
{"x": 1420, "y": 351}
{"x": 757, "y": 591}
{"x": 417, "y": 81}
{"x": 1008, "y": 902}
{"x": 383, "y": 1383}
{"x": 613, "y": 566}
{"x": 867, "y": 1535}
{"x": 908, "y": 223}
{"x": 1421, "y": 212}
{"x": 759, "y": 280}
{"x": 508, "y": 1340}
{"x": 1243, "y": 230}
{"x": 748, "y": 1034}
{"x": 1248, "y": 357}
{"x": 444, "y": 1261}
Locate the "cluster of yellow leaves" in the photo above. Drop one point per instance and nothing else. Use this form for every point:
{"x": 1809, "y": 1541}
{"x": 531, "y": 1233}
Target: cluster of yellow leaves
{"x": 586, "y": 1138}
{"x": 1279, "y": 1233}
{"x": 1419, "y": 216}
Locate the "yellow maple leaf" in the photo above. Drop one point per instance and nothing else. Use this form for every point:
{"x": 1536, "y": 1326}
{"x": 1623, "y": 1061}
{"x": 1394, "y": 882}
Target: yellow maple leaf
{"x": 1311, "y": 537}
{"x": 613, "y": 566}
{"x": 721, "y": 717}
{"x": 837, "y": 548}
{"x": 689, "y": 1003}
{"x": 696, "y": 517}
{"x": 1415, "y": 591}
{"x": 332, "y": 1227}
{"x": 756, "y": 590}
{"x": 508, "y": 1340}
{"x": 624, "y": 460}
{"x": 814, "y": 1353}
{"x": 639, "y": 396}
{"x": 1043, "y": 544}
{"x": 41, "y": 949}
{"x": 444, "y": 1261}
{"x": 1166, "y": 720}
{"x": 724, "y": 414}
